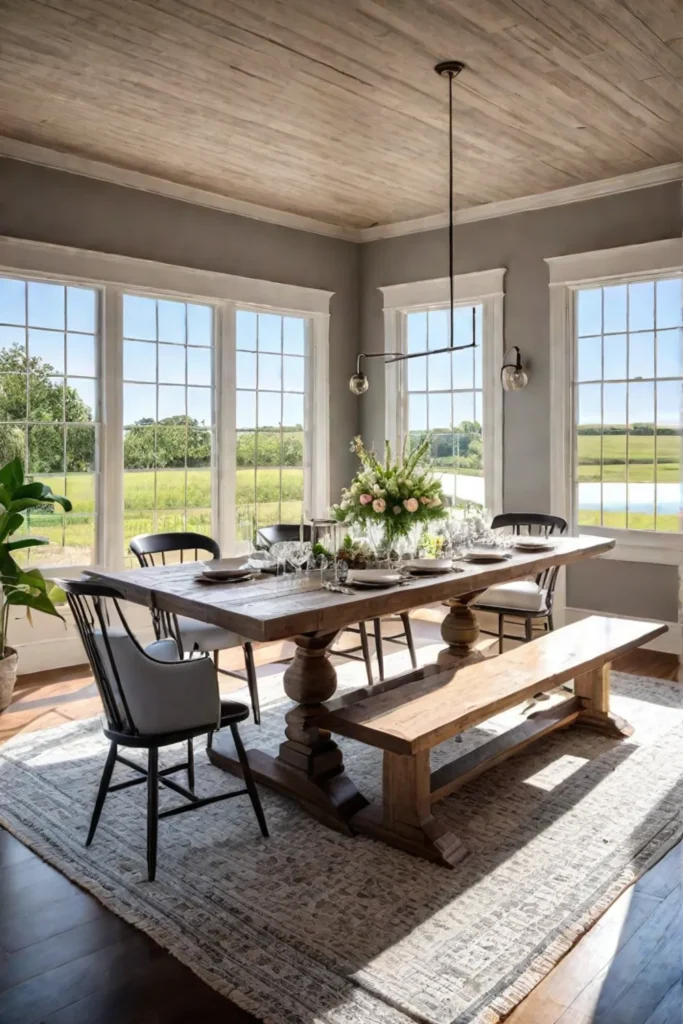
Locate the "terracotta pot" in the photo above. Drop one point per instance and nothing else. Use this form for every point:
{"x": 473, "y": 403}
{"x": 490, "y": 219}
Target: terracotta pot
{"x": 8, "y": 676}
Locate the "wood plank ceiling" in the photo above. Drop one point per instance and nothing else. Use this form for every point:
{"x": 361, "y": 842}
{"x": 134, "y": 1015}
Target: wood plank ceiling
{"x": 330, "y": 108}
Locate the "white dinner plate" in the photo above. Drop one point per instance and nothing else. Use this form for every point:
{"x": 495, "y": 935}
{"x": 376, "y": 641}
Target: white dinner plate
{"x": 373, "y": 578}
{"x": 219, "y": 577}
{"x": 486, "y": 556}
{"x": 428, "y": 566}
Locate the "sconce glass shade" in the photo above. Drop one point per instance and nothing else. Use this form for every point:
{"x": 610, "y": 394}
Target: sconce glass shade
{"x": 358, "y": 384}
{"x": 514, "y": 378}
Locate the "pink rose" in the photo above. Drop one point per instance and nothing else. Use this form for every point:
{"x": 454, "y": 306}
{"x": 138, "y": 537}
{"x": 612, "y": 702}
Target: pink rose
{"x": 397, "y": 510}
{"x": 411, "y": 504}
{"x": 435, "y": 502}
{"x": 379, "y": 505}
{"x": 424, "y": 500}
{"x": 365, "y": 499}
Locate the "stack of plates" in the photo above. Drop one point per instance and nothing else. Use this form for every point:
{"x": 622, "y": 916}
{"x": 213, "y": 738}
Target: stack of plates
{"x": 534, "y": 544}
{"x": 224, "y": 572}
{"x": 486, "y": 555}
{"x": 375, "y": 578}
{"x": 428, "y": 566}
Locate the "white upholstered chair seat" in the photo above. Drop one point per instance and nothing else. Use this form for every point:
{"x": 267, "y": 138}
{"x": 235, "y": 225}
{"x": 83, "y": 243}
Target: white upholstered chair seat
{"x": 521, "y": 595}
{"x": 202, "y": 636}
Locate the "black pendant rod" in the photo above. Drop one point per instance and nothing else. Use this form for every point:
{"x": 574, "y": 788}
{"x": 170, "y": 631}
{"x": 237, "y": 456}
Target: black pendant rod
{"x": 451, "y": 68}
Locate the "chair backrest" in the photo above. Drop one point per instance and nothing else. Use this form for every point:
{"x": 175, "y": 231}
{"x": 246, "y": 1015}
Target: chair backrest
{"x": 533, "y": 523}
{"x": 152, "y": 548}
{"x": 88, "y": 603}
{"x": 538, "y": 524}
{"x": 144, "y": 692}
{"x": 269, "y": 535}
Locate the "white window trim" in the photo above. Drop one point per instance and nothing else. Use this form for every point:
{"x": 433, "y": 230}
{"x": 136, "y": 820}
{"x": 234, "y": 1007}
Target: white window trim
{"x": 113, "y": 274}
{"x": 486, "y": 288}
{"x": 567, "y": 274}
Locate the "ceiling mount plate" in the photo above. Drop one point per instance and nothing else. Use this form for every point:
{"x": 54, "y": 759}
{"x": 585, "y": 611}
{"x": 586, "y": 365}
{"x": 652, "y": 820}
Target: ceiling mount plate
{"x": 449, "y": 67}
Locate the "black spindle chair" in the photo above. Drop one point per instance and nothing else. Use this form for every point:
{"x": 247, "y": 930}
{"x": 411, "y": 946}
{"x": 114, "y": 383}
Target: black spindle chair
{"x": 520, "y": 600}
{"x": 191, "y": 634}
{"x": 152, "y": 699}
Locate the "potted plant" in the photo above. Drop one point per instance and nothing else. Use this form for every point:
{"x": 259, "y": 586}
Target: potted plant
{"x": 20, "y": 587}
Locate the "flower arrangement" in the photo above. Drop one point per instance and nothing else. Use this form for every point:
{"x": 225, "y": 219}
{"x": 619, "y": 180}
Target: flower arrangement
{"x": 396, "y": 495}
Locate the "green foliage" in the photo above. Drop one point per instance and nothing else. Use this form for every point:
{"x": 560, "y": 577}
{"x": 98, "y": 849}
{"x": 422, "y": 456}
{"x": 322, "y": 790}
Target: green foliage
{"x": 20, "y": 587}
{"x": 396, "y": 495}
{"x": 459, "y": 448}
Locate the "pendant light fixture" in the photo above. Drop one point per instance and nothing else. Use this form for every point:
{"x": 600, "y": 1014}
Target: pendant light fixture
{"x": 359, "y": 382}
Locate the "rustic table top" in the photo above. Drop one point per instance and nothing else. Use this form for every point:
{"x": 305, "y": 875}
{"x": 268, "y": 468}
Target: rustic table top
{"x": 262, "y": 610}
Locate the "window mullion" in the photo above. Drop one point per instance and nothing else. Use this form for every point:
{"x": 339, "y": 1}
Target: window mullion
{"x": 225, "y": 459}
{"x": 110, "y": 524}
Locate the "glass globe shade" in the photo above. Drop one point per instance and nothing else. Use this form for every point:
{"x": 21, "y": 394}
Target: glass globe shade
{"x": 358, "y": 384}
{"x": 514, "y": 379}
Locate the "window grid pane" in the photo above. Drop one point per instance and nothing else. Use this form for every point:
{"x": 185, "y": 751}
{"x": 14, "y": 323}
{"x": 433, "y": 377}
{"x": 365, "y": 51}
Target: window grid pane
{"x": 48, "y": 419}
{"x": 445, "y": 398}
{"x": 169, "y": 420}
{"x": 628, "y": 388}
{"x": 272, "y": 382}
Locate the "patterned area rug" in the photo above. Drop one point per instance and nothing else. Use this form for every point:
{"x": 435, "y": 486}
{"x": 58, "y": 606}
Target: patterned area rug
{"x": 310, "y": 926}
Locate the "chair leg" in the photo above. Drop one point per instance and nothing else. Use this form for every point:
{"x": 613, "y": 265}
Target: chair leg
{"x": 550, "y": 623}
{"x": 102, "y": 791}
{"x": 190, "y": 765}
{"x": 501, "y": 633}
{"x": 252, "y": 681}
{"x": 152, "y": 811}
{"x": 249, "y": 780}
{"x": 215, "y": 658}
{"x": 405, "y": 619}
{"x": 366, "y": 650}
{"x": 528, "y": 630}
{"x": 379, "y": 647}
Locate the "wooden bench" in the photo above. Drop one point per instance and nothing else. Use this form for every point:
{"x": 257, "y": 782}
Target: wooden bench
{"x": 407, "y": 716}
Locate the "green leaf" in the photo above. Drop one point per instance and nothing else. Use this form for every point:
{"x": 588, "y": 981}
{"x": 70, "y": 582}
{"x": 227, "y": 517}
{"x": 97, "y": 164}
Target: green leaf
{"x": 25, "y": 542}
{"x": 12, "y": 475}
{"x": 9, "y": 524}
{"x": 37, "y": 601}
{"x": 23, "y": 503}
{"x": 34, "y": 490}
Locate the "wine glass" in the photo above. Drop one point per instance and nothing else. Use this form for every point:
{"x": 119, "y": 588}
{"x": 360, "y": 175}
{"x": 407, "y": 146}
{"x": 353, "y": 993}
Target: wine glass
{"x": 279, "y": 552}
{"x": 297, "y": 556}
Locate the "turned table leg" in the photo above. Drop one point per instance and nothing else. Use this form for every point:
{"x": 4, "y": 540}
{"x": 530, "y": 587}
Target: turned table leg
{"x": 309, "y": 766}
{"x": 460, "y": 631}
{"x": 592, "y": 688}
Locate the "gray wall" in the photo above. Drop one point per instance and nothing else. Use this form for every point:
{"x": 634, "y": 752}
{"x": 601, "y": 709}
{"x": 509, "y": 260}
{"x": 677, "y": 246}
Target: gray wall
{"x": 66, "y": 209}
{"x": 520, "y": 243}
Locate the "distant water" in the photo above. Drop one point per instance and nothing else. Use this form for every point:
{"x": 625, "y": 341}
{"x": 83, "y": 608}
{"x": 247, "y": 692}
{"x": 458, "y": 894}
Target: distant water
{"x": 641, "y": 497}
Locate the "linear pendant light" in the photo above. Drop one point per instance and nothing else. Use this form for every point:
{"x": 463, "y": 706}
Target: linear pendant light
{"x": 359, "y": 383}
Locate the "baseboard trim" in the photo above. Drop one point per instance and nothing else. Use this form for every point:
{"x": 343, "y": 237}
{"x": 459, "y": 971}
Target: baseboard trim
{"x": 667, "y": 643}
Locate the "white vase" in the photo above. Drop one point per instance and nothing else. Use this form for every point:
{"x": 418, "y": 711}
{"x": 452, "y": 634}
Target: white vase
{"x": 8, "y": 676}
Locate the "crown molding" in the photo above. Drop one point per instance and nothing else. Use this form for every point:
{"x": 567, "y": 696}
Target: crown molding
{"x": 544, "y": 200}
{"x": 29, "y": 153}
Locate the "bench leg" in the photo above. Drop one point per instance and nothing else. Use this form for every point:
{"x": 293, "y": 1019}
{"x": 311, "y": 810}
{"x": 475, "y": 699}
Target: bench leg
{"x": 405, "y": 819}
{"x": 593, "y": 690}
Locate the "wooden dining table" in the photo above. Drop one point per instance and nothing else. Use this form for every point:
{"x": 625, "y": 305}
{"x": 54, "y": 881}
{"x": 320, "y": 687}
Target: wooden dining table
{"x": 309, "y": 766}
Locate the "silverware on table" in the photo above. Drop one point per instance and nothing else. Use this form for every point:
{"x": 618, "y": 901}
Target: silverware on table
{"x": 337, "y": 589}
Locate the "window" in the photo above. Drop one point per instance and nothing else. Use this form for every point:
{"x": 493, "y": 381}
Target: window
{"x": 445, "y": 398}
{"x": 272, "y": 384}
{"x": 49, "y": 408}
{"x": 159, "y": 398}
{"x": 454, "y": 397}
{"x": 627, "y": 400}
{"x": 168, "y": 416}
{"x": 616, "y": 375}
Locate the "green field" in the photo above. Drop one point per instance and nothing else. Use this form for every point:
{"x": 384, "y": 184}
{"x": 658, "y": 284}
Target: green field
{"x": 641, "y": 454}
{"x": 173, "y": 496}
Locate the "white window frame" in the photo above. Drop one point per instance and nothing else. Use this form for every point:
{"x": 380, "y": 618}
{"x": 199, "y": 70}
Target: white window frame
{"x": 483, "y": 288}
{"x": 112, "y": 275}
{"x": 568, "y": 274}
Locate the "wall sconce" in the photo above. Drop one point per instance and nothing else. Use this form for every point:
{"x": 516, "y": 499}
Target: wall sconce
{"x": 513, "y": 376}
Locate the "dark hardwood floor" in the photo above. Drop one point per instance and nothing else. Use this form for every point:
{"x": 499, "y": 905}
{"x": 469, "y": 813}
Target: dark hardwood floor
{"x": 65, "y": 959}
